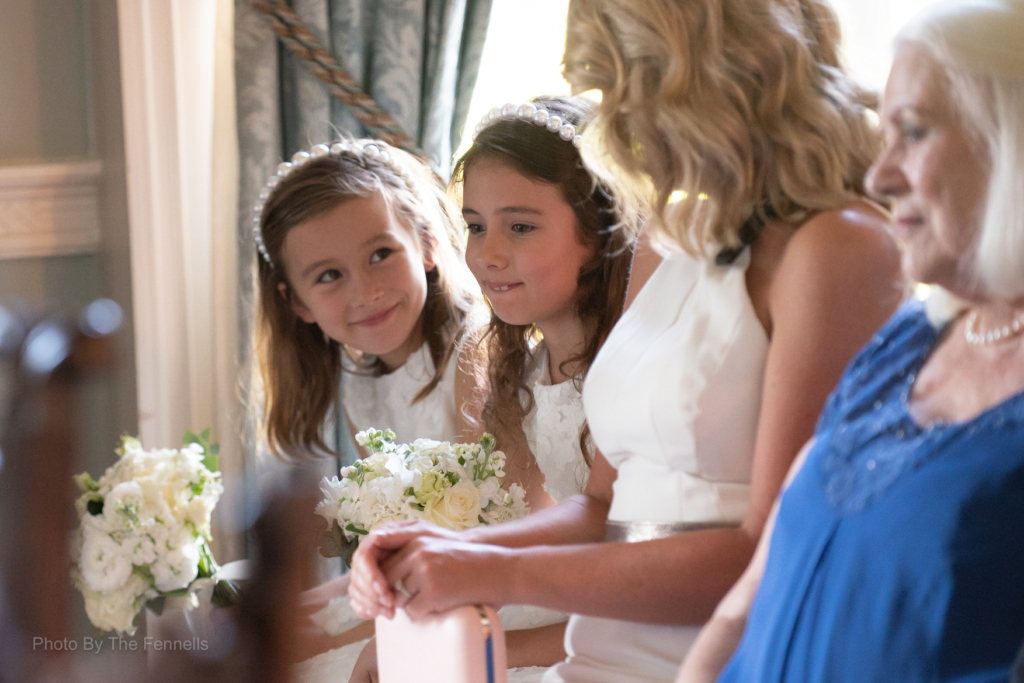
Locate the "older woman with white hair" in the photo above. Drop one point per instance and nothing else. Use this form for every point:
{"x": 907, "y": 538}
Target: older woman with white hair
{"x": 896, "y": 551}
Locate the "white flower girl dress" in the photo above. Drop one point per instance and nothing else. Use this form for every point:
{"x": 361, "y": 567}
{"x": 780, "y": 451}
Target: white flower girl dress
{"x": 552, "y": 429}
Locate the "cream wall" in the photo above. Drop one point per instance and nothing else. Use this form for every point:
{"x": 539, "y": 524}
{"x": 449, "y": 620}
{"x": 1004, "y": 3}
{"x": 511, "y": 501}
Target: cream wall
{"x": 60, "y": 115}
{"x": 44, "y": 63}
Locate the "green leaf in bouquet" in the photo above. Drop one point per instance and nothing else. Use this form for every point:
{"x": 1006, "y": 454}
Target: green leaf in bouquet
{"x": 95, "y": 506}
{"x": 86, "y": 484}
{"x": 226, "y": 594}
{"x": 356, "y": 530}
{"x": 146, "y": 574}
{"x": 210, "y": 450}
{"x": 207, "y": 565}
{"x": 127, "y": 442}
{"x": 348, "y": 549}
{"x": 332, "y": 541}
{"x": 156, "y": 605}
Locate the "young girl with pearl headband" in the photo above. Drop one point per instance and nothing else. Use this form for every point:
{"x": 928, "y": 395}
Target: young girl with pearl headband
{"x": 360, "y": 272}
{"x": 363, "y": 304}
{"x": 546, "y": 246}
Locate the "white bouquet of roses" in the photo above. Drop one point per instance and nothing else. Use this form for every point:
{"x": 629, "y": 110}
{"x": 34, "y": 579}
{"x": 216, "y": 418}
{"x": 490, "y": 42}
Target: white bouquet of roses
{"x": 453, "y": 485}
{"x": 145, "y": 531}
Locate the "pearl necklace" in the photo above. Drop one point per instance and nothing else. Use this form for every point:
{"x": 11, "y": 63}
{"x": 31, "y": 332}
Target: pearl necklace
{"x": 976, "y": 338}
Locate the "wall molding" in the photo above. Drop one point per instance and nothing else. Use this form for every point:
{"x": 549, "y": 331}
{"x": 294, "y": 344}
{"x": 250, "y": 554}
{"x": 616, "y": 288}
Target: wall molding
{"x": 50, "y": 209}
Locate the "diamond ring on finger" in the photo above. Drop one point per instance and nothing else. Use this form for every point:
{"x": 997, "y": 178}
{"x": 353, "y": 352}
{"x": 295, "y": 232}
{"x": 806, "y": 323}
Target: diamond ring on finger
{"x": 401, "y": 589}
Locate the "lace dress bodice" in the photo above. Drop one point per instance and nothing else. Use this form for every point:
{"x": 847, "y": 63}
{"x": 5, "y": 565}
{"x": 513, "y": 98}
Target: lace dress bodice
{"x": 552, "y": 429}
{"x": 386, "y": 401}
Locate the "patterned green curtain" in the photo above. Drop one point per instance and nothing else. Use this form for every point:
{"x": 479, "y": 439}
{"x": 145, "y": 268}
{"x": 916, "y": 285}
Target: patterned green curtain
{"x": 417, "y": 58}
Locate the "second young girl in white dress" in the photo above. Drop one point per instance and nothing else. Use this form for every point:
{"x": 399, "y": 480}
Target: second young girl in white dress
{"x": 543, "y": 245}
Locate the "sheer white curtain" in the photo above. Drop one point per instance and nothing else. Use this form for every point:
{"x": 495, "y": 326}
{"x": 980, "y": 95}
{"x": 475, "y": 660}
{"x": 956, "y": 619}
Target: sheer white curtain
{"x": 177, "y": 70}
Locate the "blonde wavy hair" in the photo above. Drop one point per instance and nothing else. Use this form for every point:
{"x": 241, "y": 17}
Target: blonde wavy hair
{"x": 716, "y": 110}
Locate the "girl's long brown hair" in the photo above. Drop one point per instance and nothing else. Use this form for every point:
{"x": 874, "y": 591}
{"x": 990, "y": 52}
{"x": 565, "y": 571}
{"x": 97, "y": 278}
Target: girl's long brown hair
{"x": 300, "y": 366}
{"x": 541, "y": 155}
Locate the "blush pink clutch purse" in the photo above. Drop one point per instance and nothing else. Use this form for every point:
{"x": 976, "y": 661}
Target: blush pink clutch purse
{"x": 465, "y": 645}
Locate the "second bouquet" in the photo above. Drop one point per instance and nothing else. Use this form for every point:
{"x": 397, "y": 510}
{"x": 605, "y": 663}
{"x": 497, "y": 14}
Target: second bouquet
{"x": 456, "y": 486}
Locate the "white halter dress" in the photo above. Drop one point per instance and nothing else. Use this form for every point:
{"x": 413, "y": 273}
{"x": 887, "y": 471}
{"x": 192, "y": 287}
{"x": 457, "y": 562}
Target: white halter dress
{"x": 672, "y": 400}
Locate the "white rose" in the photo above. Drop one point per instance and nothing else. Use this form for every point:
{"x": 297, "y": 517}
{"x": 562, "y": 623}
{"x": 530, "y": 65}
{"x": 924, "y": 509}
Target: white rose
{"x": 198, "y": 512}
{"x": 125, "y": 496}
{"x": 116, "y": 610}
{"x": 176, "y": 568}
{"x": 105, "y": 565}
{"x": 142, "y": 549}
{"x": 459, "y": 508}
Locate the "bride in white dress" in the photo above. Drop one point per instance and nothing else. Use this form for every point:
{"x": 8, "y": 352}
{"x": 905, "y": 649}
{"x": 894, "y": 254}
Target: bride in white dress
{"x": 714, "y": 377}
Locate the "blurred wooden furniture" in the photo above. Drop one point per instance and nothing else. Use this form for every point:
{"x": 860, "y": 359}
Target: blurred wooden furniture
{"x": 42, "y": 360}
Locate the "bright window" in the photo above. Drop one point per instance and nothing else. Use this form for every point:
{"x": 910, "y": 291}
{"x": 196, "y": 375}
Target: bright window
{"x": 522, "y": 57}
{"x": 525, "y": 40}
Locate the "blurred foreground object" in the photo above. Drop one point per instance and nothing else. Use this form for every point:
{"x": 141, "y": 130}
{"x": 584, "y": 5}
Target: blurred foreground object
{"x": 465, "y": 645}
{"x": 42, "y": 360}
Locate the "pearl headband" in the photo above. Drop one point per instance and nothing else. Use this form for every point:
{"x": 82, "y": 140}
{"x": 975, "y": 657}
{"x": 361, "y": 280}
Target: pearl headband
{"x": 533, "y": 114}
{"x": 375, "y": 150}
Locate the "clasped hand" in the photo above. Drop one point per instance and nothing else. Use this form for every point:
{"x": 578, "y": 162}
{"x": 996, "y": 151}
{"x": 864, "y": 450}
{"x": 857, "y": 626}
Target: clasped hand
{"x": 424, "y": 570}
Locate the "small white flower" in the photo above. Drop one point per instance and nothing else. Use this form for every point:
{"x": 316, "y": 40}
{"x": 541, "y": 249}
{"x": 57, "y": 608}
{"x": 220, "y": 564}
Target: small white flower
{"x": 122, "y": 505}
{"x": 105, "y": 565}
{"x": 176, "y": 568}
{"x": 423, "y": 479}
{"x": 116, "y": 610}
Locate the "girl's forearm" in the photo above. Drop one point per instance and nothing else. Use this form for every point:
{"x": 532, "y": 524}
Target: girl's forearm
{"x": 676, "y": 580}
{"x": 580, "y": 519}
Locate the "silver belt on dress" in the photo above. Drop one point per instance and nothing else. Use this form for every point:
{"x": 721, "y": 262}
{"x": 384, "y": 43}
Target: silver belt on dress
{"x": 637, "y": 532}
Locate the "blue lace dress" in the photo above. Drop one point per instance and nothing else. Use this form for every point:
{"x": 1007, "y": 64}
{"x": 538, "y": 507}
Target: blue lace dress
{"x": 898, "y": 553}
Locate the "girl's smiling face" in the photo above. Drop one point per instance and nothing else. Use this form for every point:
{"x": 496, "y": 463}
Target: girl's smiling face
{"x": 523, "y": 245}
{"x": 360, "y": 274}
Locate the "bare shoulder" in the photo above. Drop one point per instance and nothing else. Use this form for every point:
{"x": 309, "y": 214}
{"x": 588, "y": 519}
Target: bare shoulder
{"x": 852, "y": 246}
